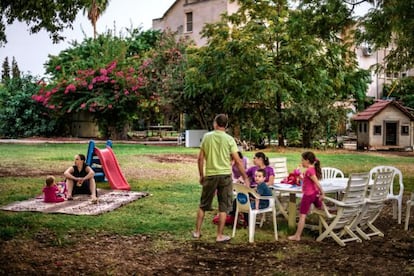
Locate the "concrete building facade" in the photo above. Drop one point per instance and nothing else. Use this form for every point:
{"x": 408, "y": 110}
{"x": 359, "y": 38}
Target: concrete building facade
{"x": 188, "y": 17}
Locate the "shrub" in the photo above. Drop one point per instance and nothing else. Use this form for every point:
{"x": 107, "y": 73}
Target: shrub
{"x": 20, "y": 116}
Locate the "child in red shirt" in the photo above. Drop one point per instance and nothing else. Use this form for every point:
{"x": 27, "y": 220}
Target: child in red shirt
{"x": 50, "y": 191}
{"x": 311, "y": 189}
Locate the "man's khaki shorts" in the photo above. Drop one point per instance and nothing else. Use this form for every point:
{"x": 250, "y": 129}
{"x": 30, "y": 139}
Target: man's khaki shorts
{"x": 223, "y": 184}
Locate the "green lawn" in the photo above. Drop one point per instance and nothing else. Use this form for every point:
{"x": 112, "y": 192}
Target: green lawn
{"x": 173, "y": 185}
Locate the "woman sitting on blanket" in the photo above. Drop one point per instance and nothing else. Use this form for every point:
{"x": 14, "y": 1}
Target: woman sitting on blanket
{"x": 51, "y": 190}
{"x": 80, "y": 179}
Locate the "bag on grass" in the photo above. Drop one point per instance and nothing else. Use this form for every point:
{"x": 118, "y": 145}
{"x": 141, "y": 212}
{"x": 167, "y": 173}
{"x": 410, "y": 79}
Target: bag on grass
{"x": 230, "y": 220}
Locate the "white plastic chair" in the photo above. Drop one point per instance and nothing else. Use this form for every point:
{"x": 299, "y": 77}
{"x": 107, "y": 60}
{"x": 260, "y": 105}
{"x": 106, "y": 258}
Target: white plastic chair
{"x": 328, "y": 173}
{"x": 392, "y": 195}
{"x": 281, "y": 172}
{"x": 280, "y": 168}
{"x": 338, "y": 224}
{"x": 410, "y": 203}
{"x": 243, "y": 206}
{"x": 377, "y": 195}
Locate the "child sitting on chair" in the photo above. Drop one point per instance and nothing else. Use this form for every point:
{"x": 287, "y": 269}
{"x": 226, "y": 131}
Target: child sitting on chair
{"x": 50, "y": 191}
{"x": 262, "y": 189}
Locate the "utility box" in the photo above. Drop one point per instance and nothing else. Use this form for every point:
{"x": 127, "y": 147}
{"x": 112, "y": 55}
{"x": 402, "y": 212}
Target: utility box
{"x": 193, "y": 137}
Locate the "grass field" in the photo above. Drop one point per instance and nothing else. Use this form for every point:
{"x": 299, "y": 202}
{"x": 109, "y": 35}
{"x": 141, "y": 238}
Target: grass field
{"x": 168, "y": 173}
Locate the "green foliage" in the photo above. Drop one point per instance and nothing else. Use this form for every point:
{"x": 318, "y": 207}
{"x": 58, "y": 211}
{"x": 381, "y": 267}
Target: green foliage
{"x": 390, "y": 24}
{"x": 165, "y": 72}
{"x": 5, "y": 72}
{"x": 50, "y": 15}
{"x": 15, "y": 69}
{"x": 402, "y": 90}
{"x": 20, "y": 116}
{"x": 114, "y": 78}
{"x": 95, "y": 9}
{"x": 287, "y": 66}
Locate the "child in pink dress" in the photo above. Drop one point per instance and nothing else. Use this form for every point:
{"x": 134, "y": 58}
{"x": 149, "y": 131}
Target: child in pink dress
{"x": 311, "y": 189}
{"x": 50, "y": 191}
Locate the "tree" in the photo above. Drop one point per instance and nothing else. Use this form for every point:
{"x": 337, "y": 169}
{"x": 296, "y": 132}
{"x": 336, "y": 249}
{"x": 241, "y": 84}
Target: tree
{"x": 402, "y": 90}
{"x": 15, "y": 69}
{"x": 287, "y": 67}
{"x": 391, "y": 24}
{"x": 95, "y": 9}
{"x": 5, "y": 73}
{"x": 20, "y": 115}
{"x": 109, "y": 77}
{"x": 166, "y": 71}
{"x": 50, "y": 15}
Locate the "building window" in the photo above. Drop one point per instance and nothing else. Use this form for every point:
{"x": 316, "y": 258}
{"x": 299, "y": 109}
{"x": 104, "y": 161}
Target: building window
{"x": 189, "y": 21}
{"x": 365, "y": 127}
{"x": 404, "y": 130}
{"x": 377, "y": 130}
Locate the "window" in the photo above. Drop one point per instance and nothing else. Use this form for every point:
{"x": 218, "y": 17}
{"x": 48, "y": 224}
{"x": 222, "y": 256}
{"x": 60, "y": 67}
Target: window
{"x": 189, "y": 21}
{"x": 377, "y": 130}
{"x": 405, "y": 130}
{"x": 363, "y": 127}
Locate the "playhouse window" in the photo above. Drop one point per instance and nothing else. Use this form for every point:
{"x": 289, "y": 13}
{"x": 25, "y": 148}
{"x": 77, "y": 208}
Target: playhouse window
{"x": 377, "y": 130}
{"x": 404, "y": 130}
{"x": 362, "y": 127}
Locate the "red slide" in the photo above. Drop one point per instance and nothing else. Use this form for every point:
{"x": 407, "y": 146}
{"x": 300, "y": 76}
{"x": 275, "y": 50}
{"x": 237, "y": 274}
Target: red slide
{"x": 111, "y": 169}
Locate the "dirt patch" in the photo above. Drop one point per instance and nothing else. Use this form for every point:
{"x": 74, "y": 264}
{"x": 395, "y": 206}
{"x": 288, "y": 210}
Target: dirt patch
{"x": 102, "y": 254}
{"x": 6, "y": 171}
{"x": 17, "y": 171}
{"x": 175, "y": 158}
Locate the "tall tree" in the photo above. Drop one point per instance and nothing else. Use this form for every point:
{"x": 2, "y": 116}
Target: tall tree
{"x": 15, "y": 69}
{"x": 390, "y": 24}
{"x": 288, "y": 67}
{"x": 5, "y": 73}
{"x": 94, "y": 9}
{"x": 50, "y": 15}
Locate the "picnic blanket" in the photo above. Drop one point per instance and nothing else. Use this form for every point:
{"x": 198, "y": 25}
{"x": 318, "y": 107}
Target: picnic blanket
{"x": 80, "y": 205}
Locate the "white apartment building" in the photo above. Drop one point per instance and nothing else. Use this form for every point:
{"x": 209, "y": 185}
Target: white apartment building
{"x": 187, "y": 18}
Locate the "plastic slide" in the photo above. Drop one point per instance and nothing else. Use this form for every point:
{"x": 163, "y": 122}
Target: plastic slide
{"x": 112, "y": 170}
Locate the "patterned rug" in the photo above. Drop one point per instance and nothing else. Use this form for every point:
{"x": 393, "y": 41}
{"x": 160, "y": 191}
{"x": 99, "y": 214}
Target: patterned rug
{"x": 80, "y": 205}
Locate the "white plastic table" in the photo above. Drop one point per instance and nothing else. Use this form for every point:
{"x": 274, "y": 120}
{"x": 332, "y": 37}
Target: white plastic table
{"x": 332, "y": 185}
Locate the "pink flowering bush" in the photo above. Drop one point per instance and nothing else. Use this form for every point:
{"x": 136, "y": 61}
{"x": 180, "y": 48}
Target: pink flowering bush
{"x": 118, "y": 80}
{"x": 112, "y": 94}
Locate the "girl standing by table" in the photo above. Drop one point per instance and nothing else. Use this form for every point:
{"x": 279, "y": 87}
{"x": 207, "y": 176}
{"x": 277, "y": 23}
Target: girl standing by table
{"x": 311, "y": 189}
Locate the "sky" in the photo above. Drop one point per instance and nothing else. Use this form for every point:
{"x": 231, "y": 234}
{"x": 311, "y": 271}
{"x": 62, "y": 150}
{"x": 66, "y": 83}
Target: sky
{"x": 31, "y": 50}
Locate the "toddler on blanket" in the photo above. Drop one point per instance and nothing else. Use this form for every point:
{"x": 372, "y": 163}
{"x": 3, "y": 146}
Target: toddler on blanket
{"x": 51, "y": 190}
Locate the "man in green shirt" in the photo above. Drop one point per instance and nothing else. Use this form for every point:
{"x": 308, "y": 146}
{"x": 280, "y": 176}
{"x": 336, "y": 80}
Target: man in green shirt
{"x": 214, "y": 166}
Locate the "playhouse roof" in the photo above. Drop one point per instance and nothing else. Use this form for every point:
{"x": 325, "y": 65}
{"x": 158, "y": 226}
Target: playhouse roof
{"x": 377, "y": 107}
